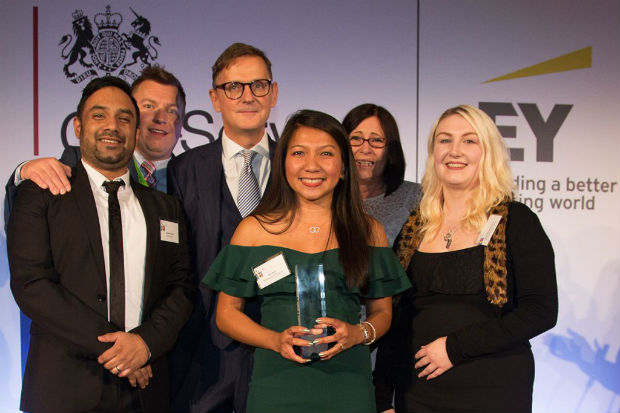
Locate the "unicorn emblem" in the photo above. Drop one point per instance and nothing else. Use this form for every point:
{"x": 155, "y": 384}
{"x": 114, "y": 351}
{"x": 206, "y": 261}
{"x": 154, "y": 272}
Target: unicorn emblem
{"x": 140, "y": 39}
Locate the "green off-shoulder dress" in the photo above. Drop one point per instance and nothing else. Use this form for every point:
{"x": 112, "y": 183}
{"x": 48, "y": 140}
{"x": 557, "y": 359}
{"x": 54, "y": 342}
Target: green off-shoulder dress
{"x": 341, "y": 384}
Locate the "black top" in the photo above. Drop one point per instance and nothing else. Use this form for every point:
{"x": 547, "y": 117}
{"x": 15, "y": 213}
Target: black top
{"x": 488, "y": 345}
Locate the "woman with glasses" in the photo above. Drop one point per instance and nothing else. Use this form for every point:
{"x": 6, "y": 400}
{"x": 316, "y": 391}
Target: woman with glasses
{"x": 310, "y": 220}
{"x": 375, "y": 141}
{"x": 483, "y": 276}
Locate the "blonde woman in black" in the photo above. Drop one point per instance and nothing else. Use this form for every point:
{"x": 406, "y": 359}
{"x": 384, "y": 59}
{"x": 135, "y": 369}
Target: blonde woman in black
{"x": 483, "y": 276}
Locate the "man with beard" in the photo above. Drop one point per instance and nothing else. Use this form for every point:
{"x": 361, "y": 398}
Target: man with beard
{"x": 103, "y": 272}
{"x": 161, "y": 99}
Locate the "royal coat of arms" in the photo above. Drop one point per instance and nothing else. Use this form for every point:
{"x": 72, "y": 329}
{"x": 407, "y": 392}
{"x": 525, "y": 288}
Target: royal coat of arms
{"x": 107, "y": 50}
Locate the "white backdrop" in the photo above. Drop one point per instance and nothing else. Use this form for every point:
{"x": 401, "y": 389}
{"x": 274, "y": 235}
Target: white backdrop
{"x": 416, "y": 59}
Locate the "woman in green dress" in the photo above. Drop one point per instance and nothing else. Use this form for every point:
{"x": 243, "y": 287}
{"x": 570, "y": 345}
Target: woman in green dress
{"x": 312, "y": 213}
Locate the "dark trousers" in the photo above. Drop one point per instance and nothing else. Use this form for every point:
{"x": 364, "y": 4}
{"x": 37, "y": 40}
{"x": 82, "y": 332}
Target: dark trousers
{"x": 118, "y": 396}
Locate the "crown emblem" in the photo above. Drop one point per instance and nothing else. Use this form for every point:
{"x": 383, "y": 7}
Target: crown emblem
{"x": 78, "y": 14}
{"x": 108, "y": 20}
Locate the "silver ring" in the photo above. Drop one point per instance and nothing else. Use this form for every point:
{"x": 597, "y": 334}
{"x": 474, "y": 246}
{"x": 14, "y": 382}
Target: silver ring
{"x": 117, "y": 370}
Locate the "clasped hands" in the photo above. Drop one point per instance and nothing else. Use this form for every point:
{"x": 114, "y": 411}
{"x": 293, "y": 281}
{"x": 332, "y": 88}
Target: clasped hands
{"x": 126, "y": 357}
{"x": 433, "y": 357}
{"x": 345, "y": 336}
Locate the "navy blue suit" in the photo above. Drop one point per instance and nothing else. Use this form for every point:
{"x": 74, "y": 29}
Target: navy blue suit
{"x": 211, "y": 369}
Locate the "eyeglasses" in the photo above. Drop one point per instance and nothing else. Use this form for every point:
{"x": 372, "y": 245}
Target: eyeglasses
{"x": 234, "y": 90}
{"x": 375, "y": 141}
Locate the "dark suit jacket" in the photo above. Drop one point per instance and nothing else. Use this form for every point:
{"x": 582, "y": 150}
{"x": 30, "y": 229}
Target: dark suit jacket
{"x": 58, "y": 280}
{"x": 196, "y": 178}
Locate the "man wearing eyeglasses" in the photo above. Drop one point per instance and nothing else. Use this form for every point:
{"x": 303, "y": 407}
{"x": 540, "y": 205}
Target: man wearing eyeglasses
{"x": 219, "y": 184}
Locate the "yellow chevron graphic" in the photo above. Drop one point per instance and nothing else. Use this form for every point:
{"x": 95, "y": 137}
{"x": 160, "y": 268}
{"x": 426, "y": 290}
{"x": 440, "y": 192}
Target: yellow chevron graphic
{"x": 579, "y": 59}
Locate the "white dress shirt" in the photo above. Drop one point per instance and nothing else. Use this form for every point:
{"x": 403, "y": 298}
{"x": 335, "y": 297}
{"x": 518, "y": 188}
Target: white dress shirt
{"x": 134, "y": 241}
{"x": 233, "y": 164}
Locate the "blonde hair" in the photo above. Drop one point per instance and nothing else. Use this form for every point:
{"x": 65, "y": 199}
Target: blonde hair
{"x": 494, "y": 176}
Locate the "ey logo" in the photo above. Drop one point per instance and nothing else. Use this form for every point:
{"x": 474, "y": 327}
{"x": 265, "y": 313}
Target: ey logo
{"x": 544, "y": 129}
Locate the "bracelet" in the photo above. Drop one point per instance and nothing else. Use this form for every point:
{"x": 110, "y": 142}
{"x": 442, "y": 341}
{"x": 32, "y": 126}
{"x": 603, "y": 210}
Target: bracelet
{"x": 374, "y": 333}
{"x": 365, "y": 331}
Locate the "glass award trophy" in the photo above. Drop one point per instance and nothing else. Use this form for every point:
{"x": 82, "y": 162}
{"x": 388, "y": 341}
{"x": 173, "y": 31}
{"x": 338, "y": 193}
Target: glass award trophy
{"x": 310, "y": 280}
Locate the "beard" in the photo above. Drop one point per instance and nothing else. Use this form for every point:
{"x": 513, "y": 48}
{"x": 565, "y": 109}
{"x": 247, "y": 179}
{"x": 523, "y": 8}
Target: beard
{"x": 104, "y": 156}
{"x": 117, "y": 158}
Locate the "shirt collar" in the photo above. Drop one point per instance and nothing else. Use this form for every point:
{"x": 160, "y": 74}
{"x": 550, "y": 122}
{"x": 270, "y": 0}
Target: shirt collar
{"x": 160, "y": 164}
{"x": 97, "y": 178}
{"x": 231, "y": 148}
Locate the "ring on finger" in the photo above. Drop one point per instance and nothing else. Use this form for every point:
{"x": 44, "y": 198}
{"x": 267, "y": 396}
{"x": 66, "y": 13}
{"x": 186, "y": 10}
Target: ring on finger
{"x": 341, "y": 346}
{"x": 118, "y": 370}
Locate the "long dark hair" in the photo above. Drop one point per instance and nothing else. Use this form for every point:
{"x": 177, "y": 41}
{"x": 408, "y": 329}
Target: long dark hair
{"x": 394, "y": 172}
{"x": 350, "y": 223}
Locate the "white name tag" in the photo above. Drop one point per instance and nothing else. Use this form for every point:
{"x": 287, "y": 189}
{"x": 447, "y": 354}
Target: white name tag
{"x": 270, "y": 271}
{"x": 489, "y": 228}
{"x": 169, "y": 231}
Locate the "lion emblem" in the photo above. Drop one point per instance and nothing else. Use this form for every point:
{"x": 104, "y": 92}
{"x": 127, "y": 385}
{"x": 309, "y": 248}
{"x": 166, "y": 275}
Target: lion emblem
{"x": 83, "y": 31}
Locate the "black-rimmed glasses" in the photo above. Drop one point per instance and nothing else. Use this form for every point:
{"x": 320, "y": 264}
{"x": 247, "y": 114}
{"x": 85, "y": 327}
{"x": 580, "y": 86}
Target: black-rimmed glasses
{"x": 374, "y": 141}
{"x": 234, "y": 90}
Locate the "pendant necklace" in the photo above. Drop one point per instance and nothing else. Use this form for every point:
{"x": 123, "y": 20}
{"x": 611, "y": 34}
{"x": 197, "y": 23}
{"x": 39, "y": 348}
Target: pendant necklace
{"x": 448, "y": 237}
{"x": 315, "y": 229}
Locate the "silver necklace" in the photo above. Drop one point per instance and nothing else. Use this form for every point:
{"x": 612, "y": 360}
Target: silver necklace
{"x": 315, "y": 229}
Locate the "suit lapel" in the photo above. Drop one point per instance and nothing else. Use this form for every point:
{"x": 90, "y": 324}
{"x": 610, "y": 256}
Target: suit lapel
{"x": 272, "y": 147}
{"x": 86, "y": 204}
{"x": 209, "y": 192}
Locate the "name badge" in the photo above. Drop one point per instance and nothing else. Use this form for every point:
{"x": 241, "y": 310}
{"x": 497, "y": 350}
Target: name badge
{"x": 169, "y": 231}
{"x": 272, "y": 270}
{"x": 489, "y": 228}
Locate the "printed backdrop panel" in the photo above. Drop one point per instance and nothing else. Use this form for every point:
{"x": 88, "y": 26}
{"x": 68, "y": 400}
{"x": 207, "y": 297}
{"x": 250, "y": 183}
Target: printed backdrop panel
{"x": 329, "y": 56}
{"x": 561, "y": 124}
{"x": 563, "y": 128}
